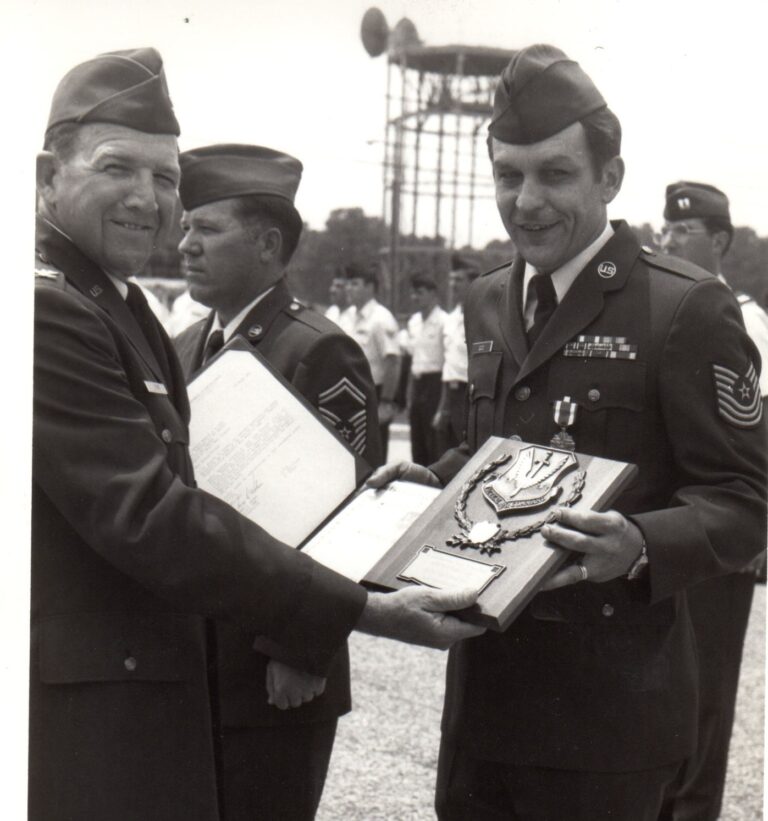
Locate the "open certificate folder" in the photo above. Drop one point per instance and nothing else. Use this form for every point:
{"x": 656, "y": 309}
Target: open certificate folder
{"x": 259, "y": 445}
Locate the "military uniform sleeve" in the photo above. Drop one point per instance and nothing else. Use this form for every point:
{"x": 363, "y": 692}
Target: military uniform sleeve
{"x": 708, "y": 390}
{"x": 100, "y": 458}
{"x": 336, "y": 378}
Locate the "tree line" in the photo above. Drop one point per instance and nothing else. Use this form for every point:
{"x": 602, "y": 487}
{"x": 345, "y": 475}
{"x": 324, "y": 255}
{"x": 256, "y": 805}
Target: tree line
{"x": 350, "y": 237}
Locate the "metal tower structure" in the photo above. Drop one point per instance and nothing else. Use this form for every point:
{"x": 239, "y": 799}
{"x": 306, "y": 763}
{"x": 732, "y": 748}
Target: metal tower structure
{"x": 438, "y": 98}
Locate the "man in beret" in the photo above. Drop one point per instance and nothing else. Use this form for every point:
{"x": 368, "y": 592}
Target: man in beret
{"x": 585, "y": 708}
{"x": 240, "y": 230}
{"x": 425, "y": 345}
{"x": 697, "y": 227}
{"x": 129, "y": 559}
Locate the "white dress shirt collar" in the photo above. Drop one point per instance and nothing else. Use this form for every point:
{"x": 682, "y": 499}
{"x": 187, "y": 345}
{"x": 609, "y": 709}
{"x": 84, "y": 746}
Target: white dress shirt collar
{"x": 564, "y": 276}
{"x": 231, "y": 326}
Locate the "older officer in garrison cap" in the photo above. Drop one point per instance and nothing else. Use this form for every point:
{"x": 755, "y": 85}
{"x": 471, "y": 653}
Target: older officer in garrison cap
{"x": 128, "y": 558}
{"x": 240, "y": 230}
{"x": 697, "y": 227}
{"x": 586, "y": 706}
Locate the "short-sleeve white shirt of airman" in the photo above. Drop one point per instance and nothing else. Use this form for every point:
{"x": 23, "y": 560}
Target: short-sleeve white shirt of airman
{"x": 455, "y": 345}
{"x": 375, "y": 330}
{"x": 426, "y": 342}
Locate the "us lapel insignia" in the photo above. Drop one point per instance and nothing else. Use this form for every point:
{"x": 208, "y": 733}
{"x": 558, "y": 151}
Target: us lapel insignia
{"x": 95, "y": 290}
{"x": 738, "y": 396}
{"x": 606, "y": 270}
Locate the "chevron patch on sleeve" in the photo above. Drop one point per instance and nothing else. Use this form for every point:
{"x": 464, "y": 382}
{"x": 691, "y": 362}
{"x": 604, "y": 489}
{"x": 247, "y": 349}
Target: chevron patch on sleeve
{"x": 343, "y": 408}
{"x": 738, "y": 396}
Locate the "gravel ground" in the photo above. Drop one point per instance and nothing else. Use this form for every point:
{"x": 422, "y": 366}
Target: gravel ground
{"x": 385, "y": 757}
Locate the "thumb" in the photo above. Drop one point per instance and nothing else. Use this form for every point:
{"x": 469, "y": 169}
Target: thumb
{"x": 444, "y": 601}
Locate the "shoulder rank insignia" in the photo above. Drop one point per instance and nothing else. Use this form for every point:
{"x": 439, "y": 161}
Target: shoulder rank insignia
{"x": 738, "y": 396}
{"x": 343, "y": 408}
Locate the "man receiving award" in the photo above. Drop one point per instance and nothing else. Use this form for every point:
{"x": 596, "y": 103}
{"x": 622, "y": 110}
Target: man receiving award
{"x": 585, "y": 708}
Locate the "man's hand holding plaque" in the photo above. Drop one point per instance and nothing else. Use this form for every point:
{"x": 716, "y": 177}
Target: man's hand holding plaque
{"x": 420, "y": 615}
{"x": 610, "y": 544}
{"x": 508, "y": 521}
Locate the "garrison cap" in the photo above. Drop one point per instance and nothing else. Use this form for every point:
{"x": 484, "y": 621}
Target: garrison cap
{"x": 121, "y": 87}
{"x": 695, "y": 199}
{"x": 539, "y": 93}
{"x": 219, "y": 172}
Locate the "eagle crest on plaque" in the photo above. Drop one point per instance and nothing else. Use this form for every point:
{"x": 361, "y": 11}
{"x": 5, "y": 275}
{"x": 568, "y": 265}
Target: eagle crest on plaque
{"x": 530, "y": 481}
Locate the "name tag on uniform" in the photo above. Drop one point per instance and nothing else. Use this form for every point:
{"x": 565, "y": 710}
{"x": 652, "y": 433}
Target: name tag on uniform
{"x": 482, "y": 347}
{"x": 156, "y": 387}
{"x": 601, "y": 347}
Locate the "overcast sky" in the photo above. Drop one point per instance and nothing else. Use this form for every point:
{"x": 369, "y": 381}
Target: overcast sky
{"x": 688, "y": 83}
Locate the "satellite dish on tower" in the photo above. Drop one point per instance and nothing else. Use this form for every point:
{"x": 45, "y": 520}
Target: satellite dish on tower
{"x": 403, "y": 36}
{"x": 374, "y": 32}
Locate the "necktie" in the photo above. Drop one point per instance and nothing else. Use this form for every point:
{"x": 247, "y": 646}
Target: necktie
{"x": 546, "y": 302}
{"x": 213, "y": 345}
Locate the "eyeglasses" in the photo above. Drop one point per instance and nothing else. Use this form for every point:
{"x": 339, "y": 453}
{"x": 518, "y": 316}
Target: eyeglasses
{"x": 680, "y": 231}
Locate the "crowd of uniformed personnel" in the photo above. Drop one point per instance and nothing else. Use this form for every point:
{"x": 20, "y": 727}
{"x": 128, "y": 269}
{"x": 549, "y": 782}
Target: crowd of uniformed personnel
{"x": 187, "y": 665}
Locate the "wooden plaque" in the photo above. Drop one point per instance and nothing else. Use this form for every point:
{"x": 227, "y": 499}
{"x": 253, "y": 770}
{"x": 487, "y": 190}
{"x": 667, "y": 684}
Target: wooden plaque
{"x": 491, "y": 539}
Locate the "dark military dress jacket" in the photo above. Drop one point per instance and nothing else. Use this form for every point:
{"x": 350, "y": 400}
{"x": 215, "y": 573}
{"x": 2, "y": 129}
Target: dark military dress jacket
{"x": 653, "y": 352}
{"x": 128, "y": 559}
{"x": 330, "y": 370}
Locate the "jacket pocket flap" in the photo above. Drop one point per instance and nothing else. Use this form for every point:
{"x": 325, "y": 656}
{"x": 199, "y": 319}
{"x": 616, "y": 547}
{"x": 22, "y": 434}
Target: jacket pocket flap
{"x": 598, "y": 383}
{"x": 483, "y": 374}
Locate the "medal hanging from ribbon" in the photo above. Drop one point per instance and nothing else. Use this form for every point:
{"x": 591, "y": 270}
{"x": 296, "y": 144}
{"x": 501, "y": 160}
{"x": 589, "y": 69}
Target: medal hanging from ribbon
{"x": 565, "y": 416}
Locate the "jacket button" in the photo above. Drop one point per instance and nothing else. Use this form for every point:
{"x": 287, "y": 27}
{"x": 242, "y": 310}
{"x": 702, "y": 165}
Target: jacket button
{"x": 254, "y": 331}
{"x": 516, "y": 438}
{"x": 522, "y": 393}
{"x": 130, "y": 664}
{"x": 594, "y": 395}
{"x": 608, "y": 610}
{"x": 166, "y": 436}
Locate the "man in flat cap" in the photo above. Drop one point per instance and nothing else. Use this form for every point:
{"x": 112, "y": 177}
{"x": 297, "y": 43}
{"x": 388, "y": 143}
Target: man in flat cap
{"x": 129, "y": 559}
{"x": 586, "y": 707}
{"x": 240, "y": 231}
{"x": 697, "y": 227}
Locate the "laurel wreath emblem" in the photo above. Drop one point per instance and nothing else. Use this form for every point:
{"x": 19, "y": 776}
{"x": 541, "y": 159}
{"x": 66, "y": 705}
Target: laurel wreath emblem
{"x": 490, "y": 545}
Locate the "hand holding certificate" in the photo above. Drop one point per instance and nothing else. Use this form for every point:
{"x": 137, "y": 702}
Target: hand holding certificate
{"x": 258, "y": 444}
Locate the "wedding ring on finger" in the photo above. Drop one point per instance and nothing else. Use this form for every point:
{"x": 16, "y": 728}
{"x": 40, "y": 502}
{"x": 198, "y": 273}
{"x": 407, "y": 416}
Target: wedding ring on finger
{"x": 583, "y": 571}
